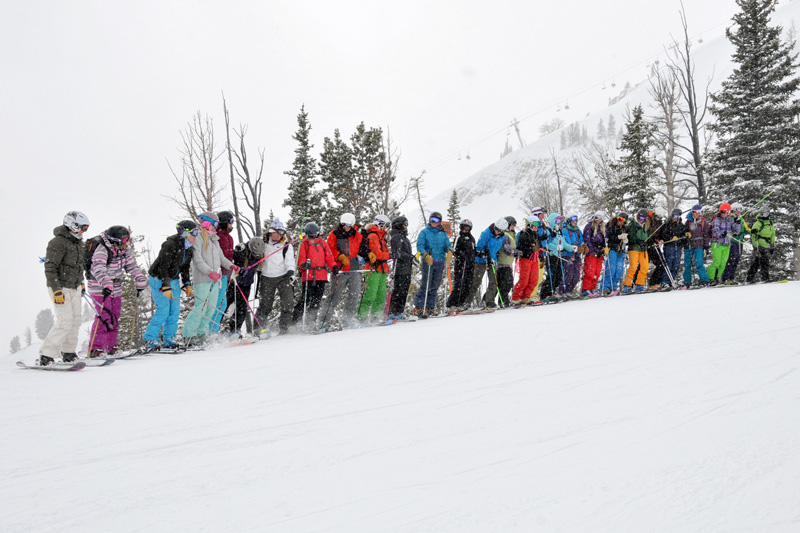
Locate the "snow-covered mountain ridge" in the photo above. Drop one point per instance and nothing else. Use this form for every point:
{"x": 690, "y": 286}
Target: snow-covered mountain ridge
{"x": 496, "y": 190}
{"x": 655, "y": 412}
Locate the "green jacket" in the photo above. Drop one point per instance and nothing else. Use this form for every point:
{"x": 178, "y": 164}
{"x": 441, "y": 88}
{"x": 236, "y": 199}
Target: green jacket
{"x": 763, "y": 232}
{"x": 63, "y": 262}
{"x": 504, "y": 258}
{"x": 637, "y": 237}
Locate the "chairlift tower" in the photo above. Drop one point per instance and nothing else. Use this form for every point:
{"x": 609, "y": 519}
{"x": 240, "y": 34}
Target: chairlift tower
{"x": 515, "y": 123}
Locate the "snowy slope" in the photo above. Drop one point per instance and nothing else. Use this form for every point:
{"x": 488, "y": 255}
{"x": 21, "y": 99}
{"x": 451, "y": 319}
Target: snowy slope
{"x": 495, "y": 190}
{"x": 658, "y": 412}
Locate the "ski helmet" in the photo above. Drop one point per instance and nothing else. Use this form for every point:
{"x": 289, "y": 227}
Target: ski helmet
{"x": 599, "y": 215}
{"x": 186, "y": 228}
{"x": 256, "y": 245}
{"x": 347, "y": 219}
{"x": 311, "y": 230}
{"x": 75, "y": 221}
{"x": 623, "y": 215}
{"x": 118, "y": 235}
{"x": 466, "y": 222}
{"x": 642, "y": 213}
{"x": 511, "y": 221}
{"x": 725, "y": 207}
{"x": 208, "y": 220}
{"x": 399, "y": 222}
{"x": 225, "y": 217}
{"x": 697, "y": 208}
{"x": 501, "y": 224}
{"x": 677, "y": 212}
{"x": 382, "y": 221}
{"x": 764, "y": 211}
{"x": 736, "y": 206}
{"x": 538, "y": 211}
{"x": 531, "y": 219}
{"x": 436, "y": 216}
{"x": 572, "y": 220}
{"x": 660, "y": 212}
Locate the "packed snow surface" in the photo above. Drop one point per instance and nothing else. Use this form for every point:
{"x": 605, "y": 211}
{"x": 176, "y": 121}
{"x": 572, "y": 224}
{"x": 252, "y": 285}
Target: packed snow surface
{"x": 657, "y": 412}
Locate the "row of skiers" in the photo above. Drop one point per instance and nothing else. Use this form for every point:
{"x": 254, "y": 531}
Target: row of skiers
{"x": 553, "y": 255}
{"x": 200, "y": 259}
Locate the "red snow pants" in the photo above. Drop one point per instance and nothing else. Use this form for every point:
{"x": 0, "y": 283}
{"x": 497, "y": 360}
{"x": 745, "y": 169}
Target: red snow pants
{"x": 592, "y": 267}
{"x": 528, "y": 278}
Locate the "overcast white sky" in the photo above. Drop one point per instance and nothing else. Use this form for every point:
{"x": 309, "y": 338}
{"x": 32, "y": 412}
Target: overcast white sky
{"x": 94, "y": 94}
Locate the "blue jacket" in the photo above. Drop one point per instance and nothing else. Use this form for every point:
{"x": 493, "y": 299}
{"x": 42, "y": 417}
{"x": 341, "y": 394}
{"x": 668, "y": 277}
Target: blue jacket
{"x": 572, "y": 236}
{"x": 433, "y": 241}
{"x": 558, "y": 240}
{"x": 489, "y": 242}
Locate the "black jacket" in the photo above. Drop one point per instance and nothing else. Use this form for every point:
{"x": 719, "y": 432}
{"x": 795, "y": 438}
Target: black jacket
{"x": 243, "y": 258}
{"x": 465, "y": 247}
{"x": 528, "y": 242}
{"x": 173, "y": 260}
{"x": 401, "y": 252}
{"x": 613, "y": 231}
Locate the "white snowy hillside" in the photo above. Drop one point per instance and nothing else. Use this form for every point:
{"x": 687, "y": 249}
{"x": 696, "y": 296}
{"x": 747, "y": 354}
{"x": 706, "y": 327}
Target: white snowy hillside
{"x": 671, "y": 411}
{"x": 496, "y": 190}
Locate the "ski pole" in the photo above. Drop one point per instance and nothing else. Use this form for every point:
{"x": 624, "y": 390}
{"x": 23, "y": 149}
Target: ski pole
{"x": 427, "y": 288}
{"x": 497, "y": 286}
{"x": 263, "y": 330}
{"x": 273, "y": 253}
{"x": 756, "y": 204}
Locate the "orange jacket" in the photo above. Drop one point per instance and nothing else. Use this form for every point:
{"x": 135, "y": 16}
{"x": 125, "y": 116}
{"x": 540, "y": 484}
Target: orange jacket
{"x": 320, "y": 255}
{"x": 347, "y": 244}
{"x": 376, "y": 239}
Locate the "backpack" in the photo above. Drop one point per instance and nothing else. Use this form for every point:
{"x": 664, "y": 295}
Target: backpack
{"x": 89, "y": 247}
{"x": 363, "y": 248}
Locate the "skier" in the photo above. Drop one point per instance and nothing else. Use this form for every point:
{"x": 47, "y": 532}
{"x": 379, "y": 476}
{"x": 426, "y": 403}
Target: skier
{"x": 207, "y": 265}
{"x": 344, "y": 242}
{"x": 655, "y": 241}
{"x": 226, "y": 221}
{"x": 723, "y": 228}
{"x": 673, "y": 236}
{"x": 699, "y": 236}
{"x": 374, "y": 299}
{"x": 313, "y": 258}
{"x": 762, "y": 234}
{"x": 166, "y": 273}
{"x": 434, "y": 246}
{"x": 737, "y": 245}
{"x": 110, "y": 260}
{"x": 555, "y": 270}
{"x": 463, "y": 268}
{"x": 571, "y": 254}
{"x": 506, "y": 257}
{"x": 244, "y": 255}
{"x": 403, "y": 261}
{"x": 277, "y": 270}
{"x": 63, "y": 269}
{"x": 616, "y": 247}
{"x": 544, "y": 234}
{"x": 638, "y": 264}
{"x": 528, "y": 261}
{"x": 489, "y": 243}
{"x": 594, "y": 237}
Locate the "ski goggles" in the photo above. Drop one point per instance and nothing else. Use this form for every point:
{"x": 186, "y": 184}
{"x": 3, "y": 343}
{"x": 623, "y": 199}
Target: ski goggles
{"x": 83, "y": 227}
{"x": 559, "y": 220}
{"x": 278, "y": 231}
{"x": 724, "y": 210}
{"x": 641, "y": 217}
{"x": 208, "y": 220}
{"x": 435, "y": 220}
{"x": 676, "y": 215}
{"x": 573, "y": 219}
{"x": 123, "y": 240}
{"x": 622, "y": 219}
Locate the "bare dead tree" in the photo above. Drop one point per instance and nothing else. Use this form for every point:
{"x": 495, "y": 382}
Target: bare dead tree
{"x": 386, "y": 185}
{"x": 250, "y": 185}
{"x": 679, "y": 60}
{"x": 198, "y": 186}
{"x": 230, "y": 165}
{"x": 417, "y": 186}
{"x": 558, "y": 180}
{"x": 540, "y": 190}
{"x": 588, "y": 171}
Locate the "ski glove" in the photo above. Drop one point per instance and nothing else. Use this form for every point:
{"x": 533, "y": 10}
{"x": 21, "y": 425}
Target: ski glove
{"x": 606, "y": 250}
{"x": 724, "y": 234}
{"x": 574, "y": 248}
{"x": 189, "y": 290}
{"x": 167, "y": 292}
{"x": 344, "y": 260}
{"x": 689, "y": 234}
{"x": 623, "y": 237}
{"x": 428, "y": 259}
{"x": 372, "y": 257}
{"x": 58, "y": 297}
{"x": 214, "y": 276}
{"x": 235, "y": 269}
{"x": 335, "y": 271}
{"x": 289, "y": 274}
{"x": 448, "y": 256}
{"x": 307, "y": 264}
{"x": 106, "y": 292}
{"x": 83, "y": 289}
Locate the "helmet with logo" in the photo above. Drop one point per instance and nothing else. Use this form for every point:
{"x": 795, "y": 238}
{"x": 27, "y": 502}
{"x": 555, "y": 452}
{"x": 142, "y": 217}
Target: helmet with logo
{"x": 501, "y": 224}
{"x": 642, "y": 213}
{"x": 382, "y": 221}
{"x": 75, "y": 221}
{"x": 466, "y": 222}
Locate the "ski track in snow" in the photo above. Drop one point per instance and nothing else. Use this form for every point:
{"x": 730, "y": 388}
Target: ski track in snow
{"x": 672, "y": 412}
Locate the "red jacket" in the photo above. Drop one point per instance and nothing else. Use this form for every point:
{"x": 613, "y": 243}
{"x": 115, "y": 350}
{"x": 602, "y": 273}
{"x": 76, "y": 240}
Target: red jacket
{"x": 376, "y": 238}
{"x": 226, "y": 243}
{"x": 320, "y": 255}
{"x": 347, "y": 244}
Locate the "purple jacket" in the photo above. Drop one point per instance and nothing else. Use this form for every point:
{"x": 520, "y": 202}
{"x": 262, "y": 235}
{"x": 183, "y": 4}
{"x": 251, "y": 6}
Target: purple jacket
{"x": 726, "y": 225}
{"x": 701, "y": 233}
{"x": 596, "y": 240}
{"x": 105, "y": 273}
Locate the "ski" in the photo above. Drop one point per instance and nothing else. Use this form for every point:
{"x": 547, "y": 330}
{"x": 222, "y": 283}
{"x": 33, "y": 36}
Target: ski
{"x": 98, "y": 361}
{"x": 59, "y": 367}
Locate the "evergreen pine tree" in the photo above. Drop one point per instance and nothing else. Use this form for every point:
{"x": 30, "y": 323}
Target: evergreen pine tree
{"x": 453, "y": 214}
{"x": 611, "y": 130}
{"x": 602, "y": 133}
{"x": 28, "y": 336}
{"x": 336, "y": 168}
{"x": 15, "y": 344}
{"x": 756, "y": 110}
{"x": 44, "y": 321}
{"x": 636, "y": 170}
{"x": 135, "y": 312}
{"x": 305, "y": 200}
